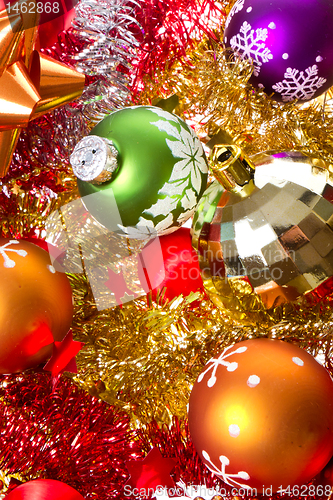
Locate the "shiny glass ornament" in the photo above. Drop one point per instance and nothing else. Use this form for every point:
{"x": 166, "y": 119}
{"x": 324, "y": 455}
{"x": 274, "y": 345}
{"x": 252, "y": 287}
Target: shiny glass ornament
{"x": 35, "y": 305}
{"x": 276, "y": 242}
{"x": 161, "y": 172}
{"x": 260, "y": 416}
{"x": 289, "y": 43}
{"x": 44, "y": 489}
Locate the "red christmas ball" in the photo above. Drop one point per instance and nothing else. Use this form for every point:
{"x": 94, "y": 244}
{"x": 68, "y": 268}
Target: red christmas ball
{"x": 44, "y": 489}
{"x": 179, "y": 272}
{"x": 323, "y": 482}
{"x": 261, "y": 416}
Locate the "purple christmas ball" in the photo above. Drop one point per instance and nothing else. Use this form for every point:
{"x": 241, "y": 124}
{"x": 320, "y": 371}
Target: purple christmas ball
{"x": 290, "y": 43}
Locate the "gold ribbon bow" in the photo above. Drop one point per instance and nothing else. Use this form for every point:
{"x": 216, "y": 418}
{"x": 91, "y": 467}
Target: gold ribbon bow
{"x": 31, "y": 83}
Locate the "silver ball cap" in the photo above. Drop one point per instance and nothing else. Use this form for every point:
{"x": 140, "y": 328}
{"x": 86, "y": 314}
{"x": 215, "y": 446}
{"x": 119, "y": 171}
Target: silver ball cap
{"x": 94, "y": 159}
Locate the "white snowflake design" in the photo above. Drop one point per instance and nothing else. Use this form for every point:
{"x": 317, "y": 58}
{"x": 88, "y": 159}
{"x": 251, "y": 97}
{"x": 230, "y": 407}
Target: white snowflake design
{"x": 227, "y": 478}
{"x": 7, "y": 262}
{"x": 236, "y": 8}
{"x": 247, "y": 44}
{"x": 220, "y": 361}
{"x": 299, "y": 85}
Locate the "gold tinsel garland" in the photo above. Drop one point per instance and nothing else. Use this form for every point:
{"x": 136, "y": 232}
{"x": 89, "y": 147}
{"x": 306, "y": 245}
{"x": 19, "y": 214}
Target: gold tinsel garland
{"x": 215, "y": 93}
{"x": 145, "y": 356}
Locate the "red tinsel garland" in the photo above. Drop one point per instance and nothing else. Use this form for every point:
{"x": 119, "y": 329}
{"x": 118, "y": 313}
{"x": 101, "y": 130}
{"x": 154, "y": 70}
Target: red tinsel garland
{"x": 175, "y": 442}
{"x": 167, "y": 32}
{"x": 64, "y": 434}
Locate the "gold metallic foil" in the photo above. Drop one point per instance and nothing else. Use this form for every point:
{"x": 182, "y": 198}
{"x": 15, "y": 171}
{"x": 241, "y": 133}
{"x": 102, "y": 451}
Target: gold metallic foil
{"x": 10, "y": 40}
{"x": 8, "y": 141}
{"x": 32, "y": 211}
{"x": 55, "y": 82}
{"x": 31, "y": 84}
{"x": 18, "y": 97}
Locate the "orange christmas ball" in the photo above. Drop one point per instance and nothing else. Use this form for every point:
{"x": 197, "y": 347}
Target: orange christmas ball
{"x": 36, "y": 305}
{"x": 261, "y": 416}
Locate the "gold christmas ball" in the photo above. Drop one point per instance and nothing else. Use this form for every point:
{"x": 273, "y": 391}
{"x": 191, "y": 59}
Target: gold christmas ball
{"x": 36, "y": 306}
{"x": 261, "y": 416}
{"x": 270, "y": 245}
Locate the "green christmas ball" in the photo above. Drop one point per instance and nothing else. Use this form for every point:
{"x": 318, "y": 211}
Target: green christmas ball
{"x": 141, "y": 171}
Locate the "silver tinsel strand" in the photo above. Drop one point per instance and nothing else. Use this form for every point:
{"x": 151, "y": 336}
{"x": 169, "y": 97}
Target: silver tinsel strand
{"x": 104, "y": 25}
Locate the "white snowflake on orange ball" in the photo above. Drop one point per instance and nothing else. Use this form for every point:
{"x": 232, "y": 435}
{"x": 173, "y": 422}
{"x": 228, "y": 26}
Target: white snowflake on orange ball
{"x": 263, "y": 417}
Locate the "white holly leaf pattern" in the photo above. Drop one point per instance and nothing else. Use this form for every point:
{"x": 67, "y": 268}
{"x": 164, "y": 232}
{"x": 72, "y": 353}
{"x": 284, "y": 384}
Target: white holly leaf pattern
{"x": 139, "y": 232}
{"x": 196, "y": 180}
{"x": 163, "y": 206}
{"x": 189, "y": 199}
{"x": 190, "y": 151}
{"x": 299, "y": 85}
{"x": 168, "y": 128}
{"x": 163, "y": 114}
{"x": 147, "y": 229}
{"x": 184, "y": 184}
{"x": 185, "y": 216}
{"x": 178, "y": 188}
{"x": 247, "y": 44}
{"x": 163, "y": 226}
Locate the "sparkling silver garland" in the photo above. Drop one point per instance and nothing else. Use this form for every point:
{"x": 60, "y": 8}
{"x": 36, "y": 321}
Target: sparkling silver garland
{"x": 104, "y": 25}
